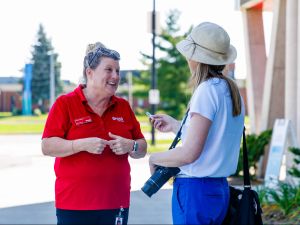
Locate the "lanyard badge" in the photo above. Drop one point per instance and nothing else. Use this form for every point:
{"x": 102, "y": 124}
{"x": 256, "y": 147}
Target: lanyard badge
{"x": 119, "y": 217}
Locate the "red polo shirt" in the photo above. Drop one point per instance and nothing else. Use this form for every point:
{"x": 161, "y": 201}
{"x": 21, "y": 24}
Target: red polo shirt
{"x": 86, "y": 181}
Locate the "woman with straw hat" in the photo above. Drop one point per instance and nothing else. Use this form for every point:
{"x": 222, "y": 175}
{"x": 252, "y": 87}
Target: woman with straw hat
{"x": 211, "y": 134}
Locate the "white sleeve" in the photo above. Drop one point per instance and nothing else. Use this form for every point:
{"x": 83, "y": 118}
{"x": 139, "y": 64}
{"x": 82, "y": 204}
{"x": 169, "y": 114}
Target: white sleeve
{"x": 205, "y": 101}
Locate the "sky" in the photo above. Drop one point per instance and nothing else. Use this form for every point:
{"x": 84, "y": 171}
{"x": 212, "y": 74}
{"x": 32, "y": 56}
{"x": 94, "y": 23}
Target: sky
{"x": 119, "y": 24}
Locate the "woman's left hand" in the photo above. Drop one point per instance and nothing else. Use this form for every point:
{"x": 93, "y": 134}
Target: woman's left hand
{"x": 120, "y": 145}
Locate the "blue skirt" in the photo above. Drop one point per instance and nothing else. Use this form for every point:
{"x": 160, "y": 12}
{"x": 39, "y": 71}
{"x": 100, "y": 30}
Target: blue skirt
{"x": 200, "y": 200}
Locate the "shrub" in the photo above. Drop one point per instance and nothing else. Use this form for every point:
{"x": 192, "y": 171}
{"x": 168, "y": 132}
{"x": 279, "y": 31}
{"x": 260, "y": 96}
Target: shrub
{"x": 294, "y": 171}
{"x": 286, "y": 197}
{"x": 256, "y": 145}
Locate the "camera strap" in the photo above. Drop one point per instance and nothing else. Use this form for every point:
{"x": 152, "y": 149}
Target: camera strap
{"x": 178, "y": 135}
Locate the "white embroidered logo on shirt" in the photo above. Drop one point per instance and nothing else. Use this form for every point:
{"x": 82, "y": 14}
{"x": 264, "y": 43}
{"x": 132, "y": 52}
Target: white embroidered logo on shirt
{"x": 119, "y": 119}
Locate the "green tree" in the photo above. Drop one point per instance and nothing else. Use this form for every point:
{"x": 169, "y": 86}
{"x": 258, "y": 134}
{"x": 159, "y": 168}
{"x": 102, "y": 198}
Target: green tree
{"x": 40, "y": 84}
{"x": 172, "y": 69}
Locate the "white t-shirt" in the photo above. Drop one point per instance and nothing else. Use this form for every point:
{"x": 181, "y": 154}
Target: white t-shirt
{"x": 219, "y": 157}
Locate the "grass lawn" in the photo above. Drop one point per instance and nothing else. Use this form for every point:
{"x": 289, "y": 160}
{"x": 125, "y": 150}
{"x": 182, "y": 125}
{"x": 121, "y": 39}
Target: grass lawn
{"x": 21, "y": 124}
{"x": 21, "y": 128}
{"x": 161, "y": 145}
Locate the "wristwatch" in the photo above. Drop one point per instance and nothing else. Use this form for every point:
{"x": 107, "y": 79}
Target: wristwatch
{"x": 135, "y": 146}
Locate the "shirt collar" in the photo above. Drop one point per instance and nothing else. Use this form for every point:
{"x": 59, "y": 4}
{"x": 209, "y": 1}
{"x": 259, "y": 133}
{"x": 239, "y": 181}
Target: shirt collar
{"x": 79, "y": 92}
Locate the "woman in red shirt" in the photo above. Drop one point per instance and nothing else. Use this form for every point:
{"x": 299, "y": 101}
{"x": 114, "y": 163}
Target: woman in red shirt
{"x": 91, "y": 132}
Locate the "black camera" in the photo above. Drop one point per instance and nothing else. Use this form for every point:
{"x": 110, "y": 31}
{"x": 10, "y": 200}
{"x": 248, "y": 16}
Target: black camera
{"x": 158, "y": 179}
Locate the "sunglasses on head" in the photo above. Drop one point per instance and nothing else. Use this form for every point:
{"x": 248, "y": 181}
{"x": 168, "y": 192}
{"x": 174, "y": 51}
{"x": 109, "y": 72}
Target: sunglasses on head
{"x": 103, "y": 52}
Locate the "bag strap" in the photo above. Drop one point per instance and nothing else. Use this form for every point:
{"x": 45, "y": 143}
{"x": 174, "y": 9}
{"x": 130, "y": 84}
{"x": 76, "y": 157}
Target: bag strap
{"x": 178, "y": 135}
{"x": 245, "y": 162}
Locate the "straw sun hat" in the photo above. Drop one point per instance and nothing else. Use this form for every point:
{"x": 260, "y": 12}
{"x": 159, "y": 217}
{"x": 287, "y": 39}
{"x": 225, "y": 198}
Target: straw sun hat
{"x": 208, "y": 43}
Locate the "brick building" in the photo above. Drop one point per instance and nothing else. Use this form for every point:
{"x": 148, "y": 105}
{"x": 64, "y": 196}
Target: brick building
{"x": 10, "y": 94}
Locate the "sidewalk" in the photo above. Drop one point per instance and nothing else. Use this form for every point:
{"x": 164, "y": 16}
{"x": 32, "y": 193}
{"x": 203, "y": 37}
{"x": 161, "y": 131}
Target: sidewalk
{"x": 27, "y": 186}
{"x": 143, "y": 210}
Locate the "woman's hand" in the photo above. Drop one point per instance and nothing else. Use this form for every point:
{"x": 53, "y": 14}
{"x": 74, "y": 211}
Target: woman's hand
{"x": 164, "y": 123}
{"x": 59, "y": 147}
{"x": 92, "y": 145}
{"x": 120, "y": 145}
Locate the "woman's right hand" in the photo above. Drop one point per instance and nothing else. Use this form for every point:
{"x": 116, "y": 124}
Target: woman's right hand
{"x": 164, "y": 123}
{"x": 92, "y": 145}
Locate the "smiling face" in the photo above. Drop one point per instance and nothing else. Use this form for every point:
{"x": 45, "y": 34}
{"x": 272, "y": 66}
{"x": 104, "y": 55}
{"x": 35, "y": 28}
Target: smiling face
{"x": 105, "y": 77}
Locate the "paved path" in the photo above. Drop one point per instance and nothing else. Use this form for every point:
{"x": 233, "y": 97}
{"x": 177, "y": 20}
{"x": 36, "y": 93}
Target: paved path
{"x": 143, "y": 210}
{"x": 27, "y": 186}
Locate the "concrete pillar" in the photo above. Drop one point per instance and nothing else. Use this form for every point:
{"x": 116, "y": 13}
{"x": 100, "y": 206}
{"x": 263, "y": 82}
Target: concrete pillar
{"x": 297, "y": 128}
{"x": 274, "y": 89}
{"x": 255, "y": 54}
{"x": 291, "y": 95}
{"x": 291, "y": 55}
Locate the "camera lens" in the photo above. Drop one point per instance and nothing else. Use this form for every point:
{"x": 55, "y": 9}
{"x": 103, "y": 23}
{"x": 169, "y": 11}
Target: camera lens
{"x": 150, "y": 187}
{"x": 158, "y": 179}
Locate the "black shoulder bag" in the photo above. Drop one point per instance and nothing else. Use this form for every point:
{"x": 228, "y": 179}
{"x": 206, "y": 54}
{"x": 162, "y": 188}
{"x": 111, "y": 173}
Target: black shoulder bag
{"x": 244, "y": 206}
